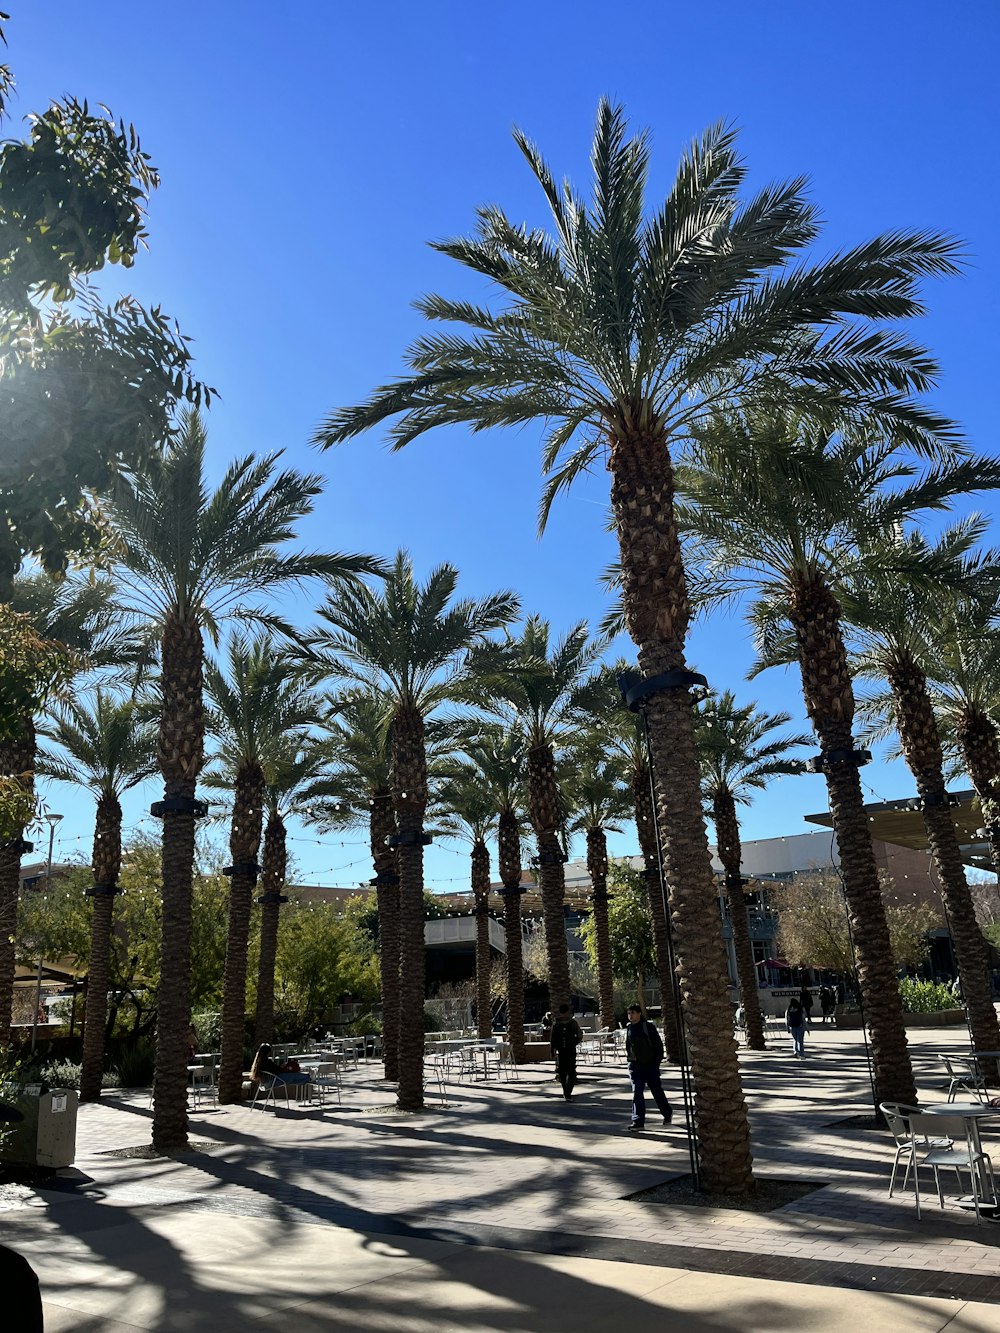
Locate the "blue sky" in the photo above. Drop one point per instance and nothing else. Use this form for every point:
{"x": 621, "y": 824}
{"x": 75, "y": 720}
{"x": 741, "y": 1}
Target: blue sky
{"x": 309, "y": 152}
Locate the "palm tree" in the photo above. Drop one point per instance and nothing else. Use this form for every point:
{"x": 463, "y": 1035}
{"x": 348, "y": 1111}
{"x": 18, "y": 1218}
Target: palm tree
{"x": 599, "y": 801}
{"x": 193, "y": 558}
{"x": 257, "y": 702}
{"x": 775, "y": 508}
{"x": 620, "y": 331}
{"x": 409, "y": 640}
{"x": 964, "y": 667}
{"x": 109, "y": 748}
{"x": 472, "y": 814}
{"x": 291, "y": 765}
{"x": 626, "y": 732}
{"x": 900, "y": 589}
{"x": 80, "y": 617}
{"x": 356, "y": 787}
{"x": 736, "y": 757}
{"x": 536, "y": 686}
{"x": 498, "y": 756}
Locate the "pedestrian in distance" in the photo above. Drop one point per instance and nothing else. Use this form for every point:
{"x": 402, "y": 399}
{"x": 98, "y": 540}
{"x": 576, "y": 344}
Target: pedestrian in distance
{"x": 566, "y": 1037}
{"x": 806, "y": 1000}
{"x": 827, "y": 1002}
{"x": 795, "y": 1022}
{"x": 644, "y": 1052}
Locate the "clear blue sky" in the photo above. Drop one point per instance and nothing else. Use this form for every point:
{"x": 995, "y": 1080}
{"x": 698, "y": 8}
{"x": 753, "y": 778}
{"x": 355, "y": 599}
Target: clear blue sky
{"x": 309, "y": 151}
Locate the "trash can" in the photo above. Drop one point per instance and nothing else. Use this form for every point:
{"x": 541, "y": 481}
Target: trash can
{"x": 47, "y": 1135}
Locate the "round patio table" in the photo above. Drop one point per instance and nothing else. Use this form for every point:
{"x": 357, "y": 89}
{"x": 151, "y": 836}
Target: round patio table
{"x": 969, "y": 1111}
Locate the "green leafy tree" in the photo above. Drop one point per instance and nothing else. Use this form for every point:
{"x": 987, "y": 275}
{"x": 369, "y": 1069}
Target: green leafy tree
{"x": 410, "y": 640}
{"x": 620, "y": 329}
{"x": 194, "y": 557}
{"x": 629, "y": 928}
{"x": 322, "y": 955}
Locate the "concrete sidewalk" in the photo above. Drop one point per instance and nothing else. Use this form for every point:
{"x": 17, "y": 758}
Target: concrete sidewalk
{"x": 507, "y": 1209}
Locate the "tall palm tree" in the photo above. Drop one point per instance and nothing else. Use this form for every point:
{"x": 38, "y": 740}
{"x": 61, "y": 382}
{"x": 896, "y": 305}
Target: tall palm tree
{"x": 964, "y": 667}
{"x": 626, "y": 732}
{"x": 258, "y": 700}
{"x": 599, "y": 800}
{"x": 82, "y": 617}
{"x": 900, "y": 588}
{"x": 107, "y": 746}
{"x": 498, "y": 756}
{"x": 471, "y": 814}
{"x": 620, "y": 331}
{"x": 738, "y": 754}
{"x": 409, "y": 640}
{"x": 356, "y": 787}
{"x": 535, "y": 685}
{"x": 775, "y": 508}
{"x": 291, "y": 765}
{"x": 195, "y": 557}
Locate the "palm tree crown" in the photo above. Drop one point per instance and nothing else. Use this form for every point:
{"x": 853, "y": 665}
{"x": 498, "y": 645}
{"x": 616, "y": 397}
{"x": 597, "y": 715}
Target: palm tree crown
{"x": 735, "y": 753}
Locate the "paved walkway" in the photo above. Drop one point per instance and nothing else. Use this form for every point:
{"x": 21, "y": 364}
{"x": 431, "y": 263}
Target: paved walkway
{"x": 505, "y": 1210}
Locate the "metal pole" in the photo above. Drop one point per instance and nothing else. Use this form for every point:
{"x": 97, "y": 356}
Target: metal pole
{"x": 53, "y": 820}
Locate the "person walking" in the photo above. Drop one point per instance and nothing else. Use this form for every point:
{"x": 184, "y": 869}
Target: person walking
{"x": 828, "y": 1003}
{"x": 795, "y": 1022}
{"x": 644, "y": 1052}
{"x": 566, "y": 1037}
{"x": 806, "y": 1000}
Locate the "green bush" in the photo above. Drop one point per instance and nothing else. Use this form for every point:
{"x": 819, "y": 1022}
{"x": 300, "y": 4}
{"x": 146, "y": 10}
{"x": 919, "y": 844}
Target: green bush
{"x": 926, "y": 997}
{"x": 365, "y": 1025}
{"x": 136, "y": 1063}
{"x": 66, "y": 1074}
{"x": 208, "y": 1025}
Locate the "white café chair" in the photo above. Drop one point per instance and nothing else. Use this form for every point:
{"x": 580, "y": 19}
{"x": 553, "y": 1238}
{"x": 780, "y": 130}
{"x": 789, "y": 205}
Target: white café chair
{"x": 965, "y": 1075}
{"x": 897, "y": 1117}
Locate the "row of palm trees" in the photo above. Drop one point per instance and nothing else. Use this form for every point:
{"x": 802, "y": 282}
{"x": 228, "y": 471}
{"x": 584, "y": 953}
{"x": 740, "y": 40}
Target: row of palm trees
{"x": 660, "y": 341}
{"x": 760, "y": 420}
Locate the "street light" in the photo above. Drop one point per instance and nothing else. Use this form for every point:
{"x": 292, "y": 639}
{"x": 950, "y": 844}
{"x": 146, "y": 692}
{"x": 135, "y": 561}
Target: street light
{"x": 52, "y": 820}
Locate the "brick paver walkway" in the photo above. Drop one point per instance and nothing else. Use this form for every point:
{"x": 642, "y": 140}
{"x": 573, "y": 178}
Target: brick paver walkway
{"x": 513, "y": 1167}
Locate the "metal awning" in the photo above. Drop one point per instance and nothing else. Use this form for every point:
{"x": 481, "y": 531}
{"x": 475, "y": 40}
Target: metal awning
{"x": 902, "y": 824}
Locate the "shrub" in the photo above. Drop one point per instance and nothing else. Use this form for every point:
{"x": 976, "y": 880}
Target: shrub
{"x": 136, "y": 1063}
{"x": 365, "y": 1025}
{"x": 926, "y": 997}
{"x": 66, "y": 1074}
{"x": 208, "y": 1025}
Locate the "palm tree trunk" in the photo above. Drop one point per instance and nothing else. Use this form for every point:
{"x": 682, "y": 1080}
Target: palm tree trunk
{"x": 922, "y": 749}
{"x": 17, "y": 759}
{"x": 244, "y": 844}
{"x": 546, "y": 819}
{"x": 829, "y": 699}
{"x": 107, "y": 862}
{"x": 645, "y": 822}
{"x": 382, "y": 824}
{"x": 657, "y": 612}
{"x": 727, "y": 831}
{"x": 180, "y": 754}
{"x": 409, "y": 794}
{"x": 978, "y": 738}
{"x": 509, "y": 851}
{"x": 481, "y": 898}
{"x": 597, "y": 868}
{"x": 273, "y": 865}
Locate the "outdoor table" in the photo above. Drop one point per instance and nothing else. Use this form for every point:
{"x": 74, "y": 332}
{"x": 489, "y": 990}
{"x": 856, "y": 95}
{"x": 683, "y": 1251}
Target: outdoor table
{"x": 974, "y": 1111}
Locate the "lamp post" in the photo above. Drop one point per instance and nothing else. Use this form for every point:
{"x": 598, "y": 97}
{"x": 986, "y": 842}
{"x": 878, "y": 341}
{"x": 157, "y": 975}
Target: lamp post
{"x": 52, "y": 820}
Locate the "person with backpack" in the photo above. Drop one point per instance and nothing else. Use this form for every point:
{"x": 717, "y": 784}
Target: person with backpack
{"x": 644, "y": 1052}
{"x": 795, "y": 1022}
{"x": 566, "y": 1037}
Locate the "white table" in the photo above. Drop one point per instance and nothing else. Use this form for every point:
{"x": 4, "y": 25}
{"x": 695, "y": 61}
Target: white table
{"x": 974, "y": 1111}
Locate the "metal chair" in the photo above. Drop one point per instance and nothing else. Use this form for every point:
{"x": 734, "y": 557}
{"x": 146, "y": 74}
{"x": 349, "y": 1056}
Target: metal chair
{"x": 269, "y": 1085}
{"x": 326, "y": 1077}
{"x": 897, "y": 1117}
{"x": 967, "y": 1076}
{"x": 965, "y": 1150}
{"x": 203, "y": 1084}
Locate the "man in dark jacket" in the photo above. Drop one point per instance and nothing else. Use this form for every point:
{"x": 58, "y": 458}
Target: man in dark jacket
{"x": 566, "y": 1037}
{"x": 644, "y": 1051}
